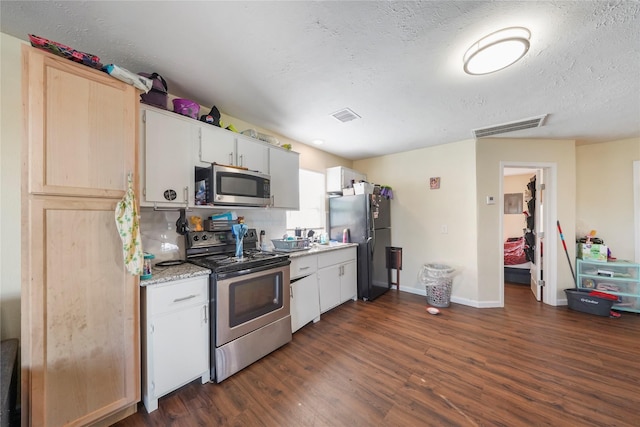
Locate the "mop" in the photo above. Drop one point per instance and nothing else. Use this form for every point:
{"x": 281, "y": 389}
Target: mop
{"x": 564, "y": 244}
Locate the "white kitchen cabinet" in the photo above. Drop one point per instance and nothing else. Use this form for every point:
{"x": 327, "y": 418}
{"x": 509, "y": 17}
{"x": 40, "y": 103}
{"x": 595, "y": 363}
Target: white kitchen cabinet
{"x": 252, "y": 154}
{"x": 305, "y": 305}
{"x": 175, "y": 337}
{"x": 339, "y": 177}
{"x": 167, "y": 167}
{"x": 348, "y": 282}
{"x": 284, "y": 167}
{"x": 337, "y": 277}
{"x": 216, "y": 145}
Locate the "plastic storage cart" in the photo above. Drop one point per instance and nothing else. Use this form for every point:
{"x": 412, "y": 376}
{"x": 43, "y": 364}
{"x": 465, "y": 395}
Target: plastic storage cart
{"x": 438, "y": 281}
{"x": 620, "y": 278}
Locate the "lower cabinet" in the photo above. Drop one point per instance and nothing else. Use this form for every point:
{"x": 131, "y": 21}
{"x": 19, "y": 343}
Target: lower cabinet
{"x": 305, "y": 305}
{"x": 175, "y": 337}
{"x": 337, "y": 277}
{"x": 321, "y": 281}
{"x": 304, "y": 301}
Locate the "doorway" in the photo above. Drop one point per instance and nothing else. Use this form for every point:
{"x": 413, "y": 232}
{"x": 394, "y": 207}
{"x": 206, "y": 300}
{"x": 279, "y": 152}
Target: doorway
{"x": 539, "y": 214}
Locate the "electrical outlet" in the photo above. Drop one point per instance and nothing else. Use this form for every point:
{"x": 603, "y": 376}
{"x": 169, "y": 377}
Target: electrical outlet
{"x": 491, "y": 200}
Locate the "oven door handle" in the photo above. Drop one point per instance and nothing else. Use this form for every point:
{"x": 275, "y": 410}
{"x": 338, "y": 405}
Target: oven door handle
{"x": 276, "y": 293}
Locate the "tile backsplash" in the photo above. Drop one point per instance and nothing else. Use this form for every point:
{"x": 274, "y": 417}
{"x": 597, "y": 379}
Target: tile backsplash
{"x": 159, "y": 237}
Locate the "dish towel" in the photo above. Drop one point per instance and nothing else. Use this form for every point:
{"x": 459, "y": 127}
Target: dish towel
{"x": 128, "y": 224}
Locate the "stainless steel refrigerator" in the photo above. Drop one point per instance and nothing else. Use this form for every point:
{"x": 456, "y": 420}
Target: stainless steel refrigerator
{"x": 367, "y": 219}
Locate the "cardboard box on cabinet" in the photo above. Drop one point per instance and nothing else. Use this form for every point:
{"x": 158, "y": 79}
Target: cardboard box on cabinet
{"x": 592, "y": 251}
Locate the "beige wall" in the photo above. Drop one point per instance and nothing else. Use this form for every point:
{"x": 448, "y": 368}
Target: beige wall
{"x": 10, "y": 146}
{"x": 604, "y": 199}
{"x": 311, "y": 158}
{"x": 512, "y": 224}
{"x": 490, "y": 152}
{"x": 419, "y": 213}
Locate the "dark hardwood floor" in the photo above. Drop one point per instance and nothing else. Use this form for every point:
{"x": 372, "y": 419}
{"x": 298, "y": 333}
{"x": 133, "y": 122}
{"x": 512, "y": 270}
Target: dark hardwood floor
{"x": 390, "y": 363}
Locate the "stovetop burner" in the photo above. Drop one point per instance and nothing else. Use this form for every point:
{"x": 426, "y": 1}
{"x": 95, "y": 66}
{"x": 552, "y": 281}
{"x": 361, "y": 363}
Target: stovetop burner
{"x": 227, "y": 263}
{"x": 216, "y": 251}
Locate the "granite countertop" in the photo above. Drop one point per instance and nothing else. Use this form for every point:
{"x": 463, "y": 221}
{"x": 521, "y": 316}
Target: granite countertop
{"x": 317, "y": 248}
{"x": 174, "y": 272}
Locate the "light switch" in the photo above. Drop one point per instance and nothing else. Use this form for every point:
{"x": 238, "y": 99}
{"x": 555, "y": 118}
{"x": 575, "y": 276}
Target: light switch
{"x": 491, "y": 200}
{"x": 444, "y": 229}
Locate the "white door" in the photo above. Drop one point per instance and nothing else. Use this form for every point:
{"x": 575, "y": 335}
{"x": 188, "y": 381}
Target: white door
{"x": 538, "y": 233}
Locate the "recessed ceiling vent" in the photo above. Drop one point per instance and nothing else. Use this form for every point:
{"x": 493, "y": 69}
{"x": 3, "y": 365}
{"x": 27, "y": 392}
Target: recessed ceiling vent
{"x": 345, "y": 115}
{"x": 532, "y": 122}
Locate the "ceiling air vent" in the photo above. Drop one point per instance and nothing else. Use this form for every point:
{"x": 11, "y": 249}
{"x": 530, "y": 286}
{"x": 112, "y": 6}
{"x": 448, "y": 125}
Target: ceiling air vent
{"x": 345, "y": 115}
{"x": 532, "y": 122}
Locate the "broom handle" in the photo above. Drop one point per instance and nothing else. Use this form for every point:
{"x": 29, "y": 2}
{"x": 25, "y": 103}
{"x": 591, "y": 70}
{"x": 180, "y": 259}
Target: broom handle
{"x": 567, "y": 253}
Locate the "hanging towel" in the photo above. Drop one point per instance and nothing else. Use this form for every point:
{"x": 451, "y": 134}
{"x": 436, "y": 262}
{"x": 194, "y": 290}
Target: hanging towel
{"x": 128, "y": 224}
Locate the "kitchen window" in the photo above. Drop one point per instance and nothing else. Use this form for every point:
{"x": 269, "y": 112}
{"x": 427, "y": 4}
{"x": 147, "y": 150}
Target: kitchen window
{"x": 312, "y": 203}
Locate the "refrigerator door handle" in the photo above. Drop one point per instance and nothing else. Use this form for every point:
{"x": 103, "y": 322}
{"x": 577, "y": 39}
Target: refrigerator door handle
{"x": 372, "y": 239}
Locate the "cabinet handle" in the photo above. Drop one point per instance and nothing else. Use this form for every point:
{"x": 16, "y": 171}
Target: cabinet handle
{"x": 231, "y": 158}
{"x": 185, "y": 298}
{"x": 305, "y": 268}
{"x": 206, "y": 319}
{"x": 241, "y": 158}
{"x": 291, "y": 290}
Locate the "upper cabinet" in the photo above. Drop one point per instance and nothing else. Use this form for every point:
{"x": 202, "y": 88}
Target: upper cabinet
{"x": 252, "y": 154}
{"x": 79, "y": 146}
{"x": 216, "y": 146}
{"x": 284, "y": 171}
{"x": 168, "y": 169}
{"x": 171, "y": 146}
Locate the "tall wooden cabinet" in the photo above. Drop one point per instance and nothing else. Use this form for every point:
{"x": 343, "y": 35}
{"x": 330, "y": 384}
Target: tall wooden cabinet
{"x": 80, "y": 308}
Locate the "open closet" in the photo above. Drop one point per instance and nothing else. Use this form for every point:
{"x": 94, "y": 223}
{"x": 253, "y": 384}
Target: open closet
{"x": 518, "y": 225}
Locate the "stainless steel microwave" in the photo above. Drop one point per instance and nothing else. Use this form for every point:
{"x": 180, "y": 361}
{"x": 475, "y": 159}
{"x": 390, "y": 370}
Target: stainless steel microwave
{"x": 220, "y": 185}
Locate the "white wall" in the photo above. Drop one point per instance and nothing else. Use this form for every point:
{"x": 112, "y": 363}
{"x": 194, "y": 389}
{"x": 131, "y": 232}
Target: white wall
{"x": 490, "y": 152}
{"x": 604, "y": 198}
{"x": 10, "y": 161}
{"x": 418, "y": 213}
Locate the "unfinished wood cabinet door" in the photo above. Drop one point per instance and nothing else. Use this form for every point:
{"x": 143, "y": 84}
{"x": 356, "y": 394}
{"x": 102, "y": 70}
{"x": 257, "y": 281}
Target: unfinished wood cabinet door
{"x": 82, "y": 128}
{"x": 81, "y": 309}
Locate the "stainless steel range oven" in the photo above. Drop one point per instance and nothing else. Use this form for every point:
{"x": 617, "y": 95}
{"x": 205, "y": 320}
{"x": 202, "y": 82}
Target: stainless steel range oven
{"x": 249, "y": 299}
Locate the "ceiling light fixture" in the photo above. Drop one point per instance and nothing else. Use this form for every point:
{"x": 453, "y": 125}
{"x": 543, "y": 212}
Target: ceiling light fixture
{"x": 497, "y": 51}
{"x": 318, "y": 141}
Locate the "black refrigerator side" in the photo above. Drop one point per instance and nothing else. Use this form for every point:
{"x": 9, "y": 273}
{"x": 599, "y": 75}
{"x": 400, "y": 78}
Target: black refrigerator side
{"x": 353, "y": 213}
{"x": 380, "y": 232}
{"x": 349, "y": 213}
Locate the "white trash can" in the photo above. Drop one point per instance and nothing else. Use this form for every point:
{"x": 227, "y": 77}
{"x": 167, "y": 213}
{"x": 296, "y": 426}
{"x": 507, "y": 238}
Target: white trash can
{"x": 438, "y": 281}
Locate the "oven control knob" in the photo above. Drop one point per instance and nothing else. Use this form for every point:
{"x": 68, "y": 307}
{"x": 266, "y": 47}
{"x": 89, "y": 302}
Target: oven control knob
{"x": 196, "y": 238}
{"x": 204, "y": 237}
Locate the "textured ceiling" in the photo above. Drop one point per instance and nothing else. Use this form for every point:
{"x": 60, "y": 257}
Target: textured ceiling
{"x": 287, "y": 66}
